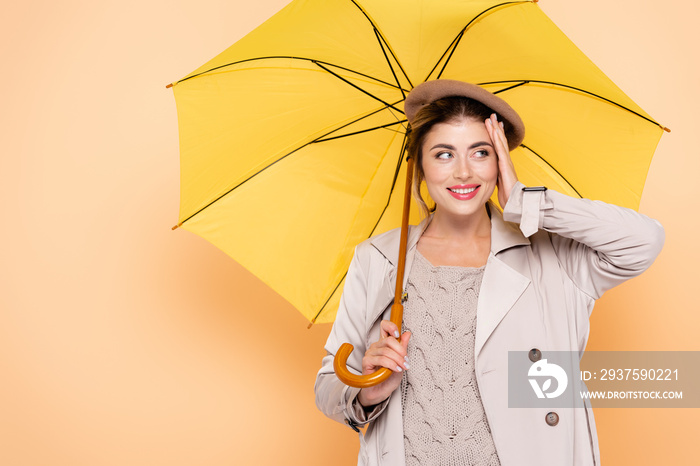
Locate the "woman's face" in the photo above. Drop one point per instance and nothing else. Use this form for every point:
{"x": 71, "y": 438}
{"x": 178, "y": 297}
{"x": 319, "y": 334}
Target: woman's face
{"x": 460, "y": 166}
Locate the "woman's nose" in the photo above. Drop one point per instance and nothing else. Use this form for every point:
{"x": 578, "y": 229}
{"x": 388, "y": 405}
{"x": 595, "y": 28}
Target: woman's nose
{"x": 462, "y": 168}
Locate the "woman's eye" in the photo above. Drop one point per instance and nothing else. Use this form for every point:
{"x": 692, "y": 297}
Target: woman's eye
{"x": 443, "y": 155}
{"x": 481, "y": 153}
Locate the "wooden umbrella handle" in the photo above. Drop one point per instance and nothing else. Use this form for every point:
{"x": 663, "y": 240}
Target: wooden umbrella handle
{"x": 341, "y": 357}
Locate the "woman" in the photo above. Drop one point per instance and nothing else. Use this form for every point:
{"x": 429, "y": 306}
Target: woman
{"x": 479, "y": 284}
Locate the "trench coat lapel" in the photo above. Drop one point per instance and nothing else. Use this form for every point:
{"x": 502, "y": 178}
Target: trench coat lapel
{"x": 501, "y": 285}
{"x": 388, "y": 245}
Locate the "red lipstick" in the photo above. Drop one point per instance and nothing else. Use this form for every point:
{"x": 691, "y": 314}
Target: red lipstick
{"x": 464, "y": 192}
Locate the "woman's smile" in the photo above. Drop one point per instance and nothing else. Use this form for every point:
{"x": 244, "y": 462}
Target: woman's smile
{"x": 463, "y": 192}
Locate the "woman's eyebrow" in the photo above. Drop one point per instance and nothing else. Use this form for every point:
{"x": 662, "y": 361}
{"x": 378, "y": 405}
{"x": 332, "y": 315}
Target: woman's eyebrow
{"x": 443, "y": 146}
{"x": 480, "y": 143}
{"x": 450, "y": 147}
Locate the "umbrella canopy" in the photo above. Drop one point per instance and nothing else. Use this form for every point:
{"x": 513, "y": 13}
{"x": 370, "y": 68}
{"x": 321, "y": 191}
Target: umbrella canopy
{"x": 291, "y": 140}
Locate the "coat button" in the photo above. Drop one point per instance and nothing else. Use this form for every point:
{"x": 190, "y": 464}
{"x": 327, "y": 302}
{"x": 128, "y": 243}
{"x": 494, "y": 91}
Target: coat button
{"x": 552, "y": 418}
{"x": 534, "y": 355}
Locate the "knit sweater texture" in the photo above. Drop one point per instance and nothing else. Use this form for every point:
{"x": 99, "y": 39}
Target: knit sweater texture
{"x": 443, "y": 417}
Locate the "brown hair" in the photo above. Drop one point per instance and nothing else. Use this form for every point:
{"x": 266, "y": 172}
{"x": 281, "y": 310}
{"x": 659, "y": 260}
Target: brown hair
{"x": 439, "y": 111}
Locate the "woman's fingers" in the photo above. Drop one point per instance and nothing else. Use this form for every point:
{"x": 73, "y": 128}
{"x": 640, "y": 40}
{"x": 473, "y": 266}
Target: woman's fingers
{"x": 388, "y": 351}
{"x": 404, "y": 340}
{"x": 387, "y": 348}
{"x": 389, "y": 328}
{"x": 501, "y": 134}
{"x": 390, "y": 334}
{"x": 404, "y": 343}
{"x": 374, "y": 362}
{"x": 496, "y": 130}
{"x": 506, "y": 170}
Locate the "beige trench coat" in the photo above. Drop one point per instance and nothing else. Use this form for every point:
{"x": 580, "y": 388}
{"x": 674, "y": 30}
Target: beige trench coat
{"x": 536, "y": 292}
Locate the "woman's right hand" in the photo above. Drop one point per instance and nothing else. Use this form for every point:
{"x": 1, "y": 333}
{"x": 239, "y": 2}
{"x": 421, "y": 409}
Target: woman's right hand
{"x": 387, "y": 352}
{"x": 506, "y": 169}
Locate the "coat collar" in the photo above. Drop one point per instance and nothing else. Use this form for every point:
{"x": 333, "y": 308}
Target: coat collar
{"x": 504, "y": 235}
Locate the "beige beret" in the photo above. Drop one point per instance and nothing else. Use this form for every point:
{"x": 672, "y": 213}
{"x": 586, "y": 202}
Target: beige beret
{"x": 430, "y": 91}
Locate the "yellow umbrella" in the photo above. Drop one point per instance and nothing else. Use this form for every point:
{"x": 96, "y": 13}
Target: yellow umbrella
{"x": 291, "y": 139}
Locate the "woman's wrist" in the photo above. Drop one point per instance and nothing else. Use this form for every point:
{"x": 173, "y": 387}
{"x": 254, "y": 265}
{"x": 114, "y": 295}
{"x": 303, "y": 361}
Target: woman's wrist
{"x": 368, "y": 405}
{"x": 361, "y": 400}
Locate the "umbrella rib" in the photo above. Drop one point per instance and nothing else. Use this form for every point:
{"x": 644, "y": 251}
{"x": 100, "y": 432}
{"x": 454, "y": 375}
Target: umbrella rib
{"x": 386, "y": 206}
{"x": 393, "y": 183}
{"x": 376, "y": 34}
{"x": 453, "y": 45}
{"x": 449, "y": 47}
{"x": 313, "y": 321}
{"x": 324, "y": 138}
{"x": 358, "y": 87}
{"x": 278, "y": 57}
{"x": 391, "y": 51}
{"x": 510, "y": 87}
{"x": 285, "y": 156}
{"x": 361, "y": 131}
{"x": 566, "y": 86}
{"x": 554, "y": 169}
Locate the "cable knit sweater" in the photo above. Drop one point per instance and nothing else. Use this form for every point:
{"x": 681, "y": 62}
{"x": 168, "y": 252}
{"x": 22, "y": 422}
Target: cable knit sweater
{"x": 444, "y": 420}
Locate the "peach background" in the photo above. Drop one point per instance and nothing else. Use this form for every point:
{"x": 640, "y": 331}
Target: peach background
{"x": 122, "y": 342}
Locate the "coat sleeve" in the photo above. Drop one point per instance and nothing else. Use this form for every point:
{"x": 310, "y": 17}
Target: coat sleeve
{"x": 599, "y": 245}
{"x": 335, "y": 399}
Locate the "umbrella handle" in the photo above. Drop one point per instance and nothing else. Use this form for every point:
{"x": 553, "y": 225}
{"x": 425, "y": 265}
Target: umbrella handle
{"x": 368, "y": 380}
{"x": 341, "y": 357}
{"x": 354, "y": 380}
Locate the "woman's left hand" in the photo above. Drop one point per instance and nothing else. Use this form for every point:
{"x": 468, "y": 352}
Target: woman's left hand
{"x": 506, "y": 170}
